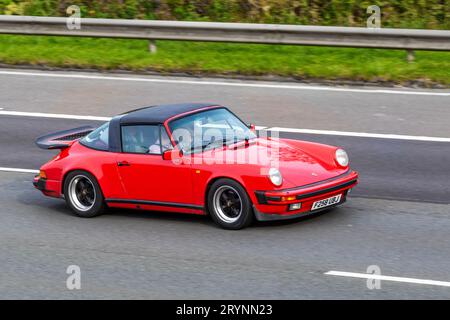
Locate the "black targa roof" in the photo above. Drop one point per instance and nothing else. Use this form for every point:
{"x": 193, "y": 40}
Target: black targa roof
{"x": 160, "y": 113}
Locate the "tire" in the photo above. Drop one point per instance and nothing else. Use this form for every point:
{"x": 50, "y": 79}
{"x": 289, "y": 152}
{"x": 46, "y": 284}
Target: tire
{"x": 83, "y": 194}
{"x": 229, "y": 205}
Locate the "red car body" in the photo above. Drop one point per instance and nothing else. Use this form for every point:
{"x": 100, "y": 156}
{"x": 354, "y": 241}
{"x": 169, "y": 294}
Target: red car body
{"x": 310, "y": 173}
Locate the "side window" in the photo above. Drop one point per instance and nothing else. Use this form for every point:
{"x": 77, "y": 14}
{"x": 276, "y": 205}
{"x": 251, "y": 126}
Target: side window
{"x": 97, "y": 139}
{"x": 141, "y": 139}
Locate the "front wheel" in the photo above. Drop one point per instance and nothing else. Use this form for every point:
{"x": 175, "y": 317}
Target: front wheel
{"x": 83, "y": 194}
{"x": 229, "y": 205}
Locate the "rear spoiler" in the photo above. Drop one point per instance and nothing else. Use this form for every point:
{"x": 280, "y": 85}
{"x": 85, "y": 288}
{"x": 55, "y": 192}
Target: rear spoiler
{"x": 62, "y": 139}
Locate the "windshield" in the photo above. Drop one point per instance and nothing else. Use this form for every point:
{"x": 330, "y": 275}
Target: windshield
{"x": 209, "y": 129}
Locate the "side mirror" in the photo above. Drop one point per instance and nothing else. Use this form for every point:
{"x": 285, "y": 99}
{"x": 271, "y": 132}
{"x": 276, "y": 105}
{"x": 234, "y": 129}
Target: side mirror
{"x": 172, "y": 154}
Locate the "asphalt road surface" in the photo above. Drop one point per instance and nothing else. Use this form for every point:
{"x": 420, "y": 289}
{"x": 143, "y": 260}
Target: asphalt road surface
{"x": 398, "y": 218}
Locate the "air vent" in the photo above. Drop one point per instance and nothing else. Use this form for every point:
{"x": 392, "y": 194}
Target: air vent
{"x": 72, "y": 137}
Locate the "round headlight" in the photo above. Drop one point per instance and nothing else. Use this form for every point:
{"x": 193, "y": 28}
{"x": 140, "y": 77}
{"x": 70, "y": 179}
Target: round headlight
{"x": 275, "y": 176}
{"x": 341, "y": 157}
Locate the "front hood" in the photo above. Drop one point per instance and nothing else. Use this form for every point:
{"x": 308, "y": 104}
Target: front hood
{"x": 299, "y": 162}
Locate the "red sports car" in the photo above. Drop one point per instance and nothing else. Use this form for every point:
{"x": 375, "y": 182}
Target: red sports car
{"x": 193, "y": 158}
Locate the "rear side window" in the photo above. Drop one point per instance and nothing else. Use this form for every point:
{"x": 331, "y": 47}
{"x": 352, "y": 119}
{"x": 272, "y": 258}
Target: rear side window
{"x": 141, "y": 139}
{"x": 97, "y": 139}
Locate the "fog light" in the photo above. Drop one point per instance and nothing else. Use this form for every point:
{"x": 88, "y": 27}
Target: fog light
{"x": 295, "y": 206}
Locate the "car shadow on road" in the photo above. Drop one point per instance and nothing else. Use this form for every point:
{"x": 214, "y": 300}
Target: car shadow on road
{"x": 50, "y": 205}
{"x": 207, "y": 221}
{"x": 159, "y": 215}
{"x": 58, "y": 206}
{"x": 297, "y": 221}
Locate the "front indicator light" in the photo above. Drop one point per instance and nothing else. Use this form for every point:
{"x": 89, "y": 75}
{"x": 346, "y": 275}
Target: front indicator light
{"x": 288, "y": 198}
{"x": 295, "y": 206}
{"x": 42, "y": 174}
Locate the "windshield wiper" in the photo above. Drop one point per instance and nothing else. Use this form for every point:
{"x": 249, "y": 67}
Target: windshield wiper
{"x": 206, "y": 145}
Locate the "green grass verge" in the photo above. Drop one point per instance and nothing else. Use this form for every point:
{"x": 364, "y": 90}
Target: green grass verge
{"x": 221, "y": 58}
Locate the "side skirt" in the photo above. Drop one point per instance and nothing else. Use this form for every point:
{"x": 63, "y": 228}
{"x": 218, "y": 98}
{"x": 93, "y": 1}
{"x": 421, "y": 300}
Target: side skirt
{"x": 156, "y": 203}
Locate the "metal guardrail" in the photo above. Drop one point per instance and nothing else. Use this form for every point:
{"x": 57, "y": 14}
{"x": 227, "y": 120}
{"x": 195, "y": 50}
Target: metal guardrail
{"x": 406, "y": 39}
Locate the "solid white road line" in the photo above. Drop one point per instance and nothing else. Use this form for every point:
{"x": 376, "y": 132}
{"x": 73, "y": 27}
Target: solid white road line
{"x": 361, "y": 134}
{"x": 18, "y": 170}
{"x": 53, "y": 115}
{"x": 280, "y": 129}
{"x": 387, "y": 278}
{"x": 221, "y": 83}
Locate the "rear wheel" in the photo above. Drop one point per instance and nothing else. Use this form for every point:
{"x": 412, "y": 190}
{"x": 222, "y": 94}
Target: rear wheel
{"x": 229, "y": 205}
{"x": 83, "y": 194}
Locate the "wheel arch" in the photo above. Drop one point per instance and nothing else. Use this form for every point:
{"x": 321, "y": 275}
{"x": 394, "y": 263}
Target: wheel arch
{"x": 63, "y": 181}
{"x": 211, "y": 182}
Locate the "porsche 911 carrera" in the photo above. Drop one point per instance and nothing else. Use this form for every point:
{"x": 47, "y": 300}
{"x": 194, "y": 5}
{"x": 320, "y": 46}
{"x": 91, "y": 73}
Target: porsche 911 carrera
{"x": 193, "y": 158}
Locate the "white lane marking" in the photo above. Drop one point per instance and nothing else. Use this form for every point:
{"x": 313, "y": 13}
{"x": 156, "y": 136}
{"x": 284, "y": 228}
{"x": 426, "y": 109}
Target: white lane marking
{"x": 66, "y": 116}
{"x": 53, "y": 115}
{"x": 388, "y": 278}
{"x": 222, "y": 83}
{"x": 361, "y": 134}
{"x": 18, "y": 170}
{"x": 280, "y": 129}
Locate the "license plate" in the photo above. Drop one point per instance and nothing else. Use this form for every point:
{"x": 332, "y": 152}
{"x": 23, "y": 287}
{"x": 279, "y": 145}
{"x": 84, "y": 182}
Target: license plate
{"x": 326, "y": 202}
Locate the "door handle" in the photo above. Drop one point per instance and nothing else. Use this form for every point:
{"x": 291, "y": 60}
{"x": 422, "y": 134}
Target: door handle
{"x": 123, "y": 164}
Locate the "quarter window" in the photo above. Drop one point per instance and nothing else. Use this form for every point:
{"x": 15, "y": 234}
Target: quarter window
{"x": 98, "y": 139}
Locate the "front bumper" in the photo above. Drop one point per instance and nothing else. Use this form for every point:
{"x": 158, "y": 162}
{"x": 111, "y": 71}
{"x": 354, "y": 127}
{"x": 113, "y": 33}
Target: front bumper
{"x": 274, "y": 205}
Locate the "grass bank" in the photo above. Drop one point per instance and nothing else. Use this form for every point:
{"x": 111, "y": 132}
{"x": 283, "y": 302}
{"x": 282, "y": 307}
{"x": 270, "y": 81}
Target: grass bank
{"x": 317, "y": 63}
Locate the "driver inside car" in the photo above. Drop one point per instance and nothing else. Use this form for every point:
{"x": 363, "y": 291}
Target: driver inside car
{"x": 133, "y": 140}
{"x": 166, "y": 144}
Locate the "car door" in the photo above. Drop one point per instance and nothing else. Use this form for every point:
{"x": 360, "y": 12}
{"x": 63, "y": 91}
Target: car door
{"x": 145, "y": 175}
